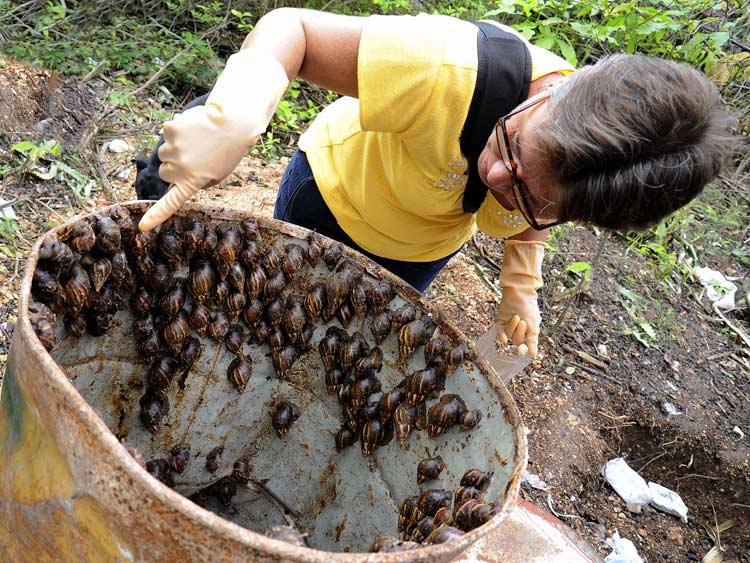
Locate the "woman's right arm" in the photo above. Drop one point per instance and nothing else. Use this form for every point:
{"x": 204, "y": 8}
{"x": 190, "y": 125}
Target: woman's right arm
{"x": 320, "y": 47}
{"x": 205, "y": 143}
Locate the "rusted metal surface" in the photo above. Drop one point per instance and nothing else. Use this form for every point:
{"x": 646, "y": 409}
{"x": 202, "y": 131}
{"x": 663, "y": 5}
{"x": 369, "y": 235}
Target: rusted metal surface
{"x": 64, "y": 472}
{"x": 530, "y": 535}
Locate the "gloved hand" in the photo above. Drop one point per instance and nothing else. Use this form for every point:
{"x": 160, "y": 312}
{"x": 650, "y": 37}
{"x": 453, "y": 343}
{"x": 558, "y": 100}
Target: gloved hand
{"x": 518, "y": 318}
{"x": 204, "y": 144}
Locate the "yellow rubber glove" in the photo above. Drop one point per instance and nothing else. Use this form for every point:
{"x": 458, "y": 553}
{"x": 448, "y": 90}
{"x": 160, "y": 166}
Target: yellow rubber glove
{"x": 205, "y": 143}
{"x": 518, "y": 318}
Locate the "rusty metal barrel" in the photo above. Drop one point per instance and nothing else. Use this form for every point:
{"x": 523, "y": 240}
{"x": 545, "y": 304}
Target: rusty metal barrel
{"x": 70, "y": 491}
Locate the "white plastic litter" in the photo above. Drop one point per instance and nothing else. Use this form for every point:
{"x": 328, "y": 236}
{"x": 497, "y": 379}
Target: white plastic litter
{"x": 626, "y": 482}
{"x": 667, "y": 501}
{"x": 634, "y": 490}
{"x": 623, "y": 550}
{"x": 737, "y": 430}
{"x": 8, "y": 212}
{"x": 670, "y": 409}
{"x": 118, "y": 146}
{"x": 718, "y": 288}
{"x": 533, "y": 481}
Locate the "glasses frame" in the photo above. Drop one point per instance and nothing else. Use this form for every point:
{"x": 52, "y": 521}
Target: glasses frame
{"x": 520, "y": 191}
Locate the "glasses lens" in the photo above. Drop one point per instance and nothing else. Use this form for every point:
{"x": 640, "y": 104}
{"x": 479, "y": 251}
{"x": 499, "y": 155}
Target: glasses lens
{"x": 521, "y": 202}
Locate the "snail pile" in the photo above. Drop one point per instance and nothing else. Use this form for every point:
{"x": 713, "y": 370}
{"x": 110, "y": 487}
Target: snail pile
{"x": 428, "y": 518}
{"x": 193, "y": 280}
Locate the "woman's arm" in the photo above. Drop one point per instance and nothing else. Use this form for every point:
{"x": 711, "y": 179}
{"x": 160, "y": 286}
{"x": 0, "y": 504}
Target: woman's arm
{"x": 320, "y": 47}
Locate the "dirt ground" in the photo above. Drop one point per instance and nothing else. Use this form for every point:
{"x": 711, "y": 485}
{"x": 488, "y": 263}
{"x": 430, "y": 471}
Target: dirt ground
{"x": 595, "y": 392}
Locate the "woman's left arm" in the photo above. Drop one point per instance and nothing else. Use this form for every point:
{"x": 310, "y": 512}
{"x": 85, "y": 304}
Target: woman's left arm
{"x": 518, "y": 317}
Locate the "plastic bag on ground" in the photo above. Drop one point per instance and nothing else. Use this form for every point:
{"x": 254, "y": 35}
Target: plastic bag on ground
{"x": 623, "y": 550}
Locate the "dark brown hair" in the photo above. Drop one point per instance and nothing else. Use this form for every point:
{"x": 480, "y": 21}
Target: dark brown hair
{"x": 633, "y": 138}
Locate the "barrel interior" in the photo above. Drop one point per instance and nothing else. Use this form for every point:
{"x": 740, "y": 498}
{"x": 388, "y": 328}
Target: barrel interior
{"x": 341, "y": 500}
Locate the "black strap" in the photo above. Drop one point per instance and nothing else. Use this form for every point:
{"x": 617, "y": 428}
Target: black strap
{"x": 503, "y": 82}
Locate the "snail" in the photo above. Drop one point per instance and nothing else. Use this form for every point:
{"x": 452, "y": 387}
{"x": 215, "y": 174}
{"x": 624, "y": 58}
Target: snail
{"x": 239, "y": 372}
{"x": 429, "y": 469}
{"x": 283, "y": 417}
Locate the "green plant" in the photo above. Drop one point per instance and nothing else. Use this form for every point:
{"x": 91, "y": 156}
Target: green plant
{"x": 634, "y": 306}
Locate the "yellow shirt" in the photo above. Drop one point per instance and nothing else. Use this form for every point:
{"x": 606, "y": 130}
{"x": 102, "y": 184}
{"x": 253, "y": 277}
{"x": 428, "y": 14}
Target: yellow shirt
{"x": 389, "y": 165}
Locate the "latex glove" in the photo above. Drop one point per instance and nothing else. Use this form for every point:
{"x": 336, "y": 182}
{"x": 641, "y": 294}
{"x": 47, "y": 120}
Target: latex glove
{"x": 518, "y": 318}
{"x": 205, "y": 143}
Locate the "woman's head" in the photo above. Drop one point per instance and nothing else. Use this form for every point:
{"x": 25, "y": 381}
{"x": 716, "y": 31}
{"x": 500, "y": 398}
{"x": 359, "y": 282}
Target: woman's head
{"x": 632, "y": 139}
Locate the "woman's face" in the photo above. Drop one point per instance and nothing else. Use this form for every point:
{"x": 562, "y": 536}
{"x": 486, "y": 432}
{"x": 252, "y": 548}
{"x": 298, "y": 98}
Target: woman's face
{"x": 533, "y": 167}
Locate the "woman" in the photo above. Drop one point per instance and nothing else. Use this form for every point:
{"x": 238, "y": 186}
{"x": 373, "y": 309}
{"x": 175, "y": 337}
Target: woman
{"x": 394, "y": 169}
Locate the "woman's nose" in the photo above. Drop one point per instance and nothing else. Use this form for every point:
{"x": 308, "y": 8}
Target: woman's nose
{"x": 498, "y": 175}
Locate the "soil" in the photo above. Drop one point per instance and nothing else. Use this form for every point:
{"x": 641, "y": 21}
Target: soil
{"x": 595, "y": 392}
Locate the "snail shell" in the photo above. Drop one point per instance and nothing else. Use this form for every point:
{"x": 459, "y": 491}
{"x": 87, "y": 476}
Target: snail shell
{"x": 464, "y": 493}
{"x": 470, "y": 419}
{"x": 212, "y": 459}
{"x": 172, "y": 301}
{"x": 143, "y": 242}
{"x": 379, "y": 294}
{"x": 161, "y": 373}
{"x": 239, "y": 373}
{"x": 430, "y": 500}
{"x": 191, "y": 238}
{"x": 444, "y": 413}
{"x": 283, "y": 361}
{"x": 406, "y": 512}
{"x": 141, "y": 302}
{"x": 429, "y": 469}
{"x": 254, "y": 283}
{"x": 476, "y": 478}
{"x": 201, "y": 281}
{"x": 170, "y": 247}
{"x": 234, "y": 339}
{"x": 380, "y": 326}
{"x": 241, "y": 470}
{"x": 389, "y": 402}
{"x": 180, "y": 457}
{"x": 153, "y": 410}
{"x": 199, "y": 318}
{"x": 315, "y": 300}
{"x": 252, "y": 313}
{"x": 314, "y": 250}
{"x": 414, "y": 334}
{"x": 218, "y": 327}
{"x": 121, "y": 216}
{"x": 47, "y": 289}
{"x": 329, "y": 346}
{"x": 82, "y": 238}
{"x": 273, "y": 313}
{"x": 358, "y": 298}
{"x": 276, "y": 283}
{"x": 221, "y": 292}
{"x": 334, "y": 379}
{"x": 332, "y": 255}
{"x": 175, "y": 332}
{"x": 284, "y": 416}
{"x": 271, "y": 259}
{"x": 77, "y": 288}
{"x": 404, "y": 417}
{"x": 236, "y": 276}
{"x": 401, "y": 316}
{"x": 250, "y": 255}
{"x": 108, "y": 237}
{"x": 443, "y": 533}
{"x": 436, "y": 347}
{"x": 345, "y": 437}
{"x": 161, "y": 276}
{"x": 423, "y": 529}
{"x": 160, "y": 469}
{"x": 293, "y": 260}
{"x": 371, "y": 434}
{"x": 209, "y": 242}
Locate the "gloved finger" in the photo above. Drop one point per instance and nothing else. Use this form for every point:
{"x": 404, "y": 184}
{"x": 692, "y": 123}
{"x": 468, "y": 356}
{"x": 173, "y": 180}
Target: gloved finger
{"x": 508, "y": 330}
{"x": 519, "y": 335}
{"x": 168, "y": 152}
{"x": 165, "y": 207}
{"x": 169, "y": 172}
{"x": 533, "y": 343}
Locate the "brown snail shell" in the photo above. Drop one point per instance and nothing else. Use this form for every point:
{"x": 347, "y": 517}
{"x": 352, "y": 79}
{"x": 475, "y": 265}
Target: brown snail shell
{"x": 283, "y": 361}
{"x": 273, "y": 313}
{"x": 404, "y": 417}
{"x": 386, "y": 436}
{"x": 422, "y": 383}
{"x": 209, "y": 242}
{"x": 160, "y": 470}
{"x": 252, "y": 313}
{"x": 294, "y": 317}
{"x": 423, "y": 529}
{"x": 275, "y": 285}
{"x": 221, "y": 292}
{"x": 144, "y": 266}
{"x": 153, "y": 410}
{"x": 175, "y": 332}
{"x": 227, "y": 250}
{"x": 76, "y": 325}
{"x": 218, "y": 327}
{"x": 239, "y": 373}
{"x": 120, "y": 267}
{"x": 379, "y": 294}
{"x": 345, "y": 437}
{"x": 473, "y": 513}
{"x": 236, "y": 276}
{"x": 161, "y": 276}
{"x": 436, "y": 347}
{"x": 180, "y": 457}
{"x": 121, "y": 216}
{"x": 191, "y": 351}
{"x": 212, "y": 459}
{"x": 334, "y": 379}
{"x": 345, "y": 314}
{"x": 199, "y": 318}
{"x": 406, "y": 512}
{"x": 343, "y": 391}
{"x": 201, "y": 281}
{"x": 389, "y": 402}
{"x": 172, "y": 301}
{"x": 338, "y": 286}
{"x": 371, "y": 434}
{"x": 284, "y": 416}
{"x": 108, "y": 237}
{"x": 476, "y": 478}
{"x": 464, "y": 493}
{"x": 315, "y": 300}
{"x": 144, "y": 242}
{"x": 235, "y": 303}
{"x": 293, "y": 260}
{"x": 255, "y": 282}
{"x": 250, "y": 255}
{"x": 329, "y": 346}
{"x": 430, "y": 500}
{"x": 224, "y": 490}
{"x": 358, "y": 298}
{"x": 380, "y": 326}
{"x": 414, "y": 334}
{"x": 276, "y": 340}
{"x": 444, "y": 413}
{"x": 443, "y": 533}
{"x": 77, "y": 288}
{"x": 455, "y": 356}
{"x": 82, "y": 238}
{"x": 429, "y": 469}
{"x": 469, "y": 419}
{"x": 160, "y": 374}
{"x": 192, "y": 237}
{"x": 170, "y": 247}
{"x": 271, "y": 259}
{"x": 444, "y": 515}
{"x": 141, "y": 302}
{"x": 401, "y": 316}
{"x": 249, "y": 229}
{"x": 349, "y": 352}
{"x": 241, "y": 470}
{"x": 234, "y": 339}
{"x": 47, "y": 289}
{"x": 387, "y": 544}
{"x": 369, "y": 364}
{"x": 332, "y": 255}
{"x": 149, "y": 346}
{"x": 262, "y": 332}
{"x": 314, "y": 250}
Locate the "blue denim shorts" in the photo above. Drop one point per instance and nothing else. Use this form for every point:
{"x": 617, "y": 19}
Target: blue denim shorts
{"x": 299, "y": 202}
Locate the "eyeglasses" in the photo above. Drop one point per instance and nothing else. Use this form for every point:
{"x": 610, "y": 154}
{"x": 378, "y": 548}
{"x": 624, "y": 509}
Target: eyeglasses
{"x": 520, "y": 191}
